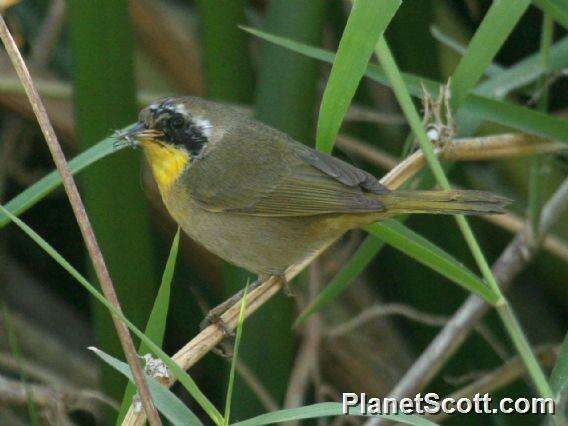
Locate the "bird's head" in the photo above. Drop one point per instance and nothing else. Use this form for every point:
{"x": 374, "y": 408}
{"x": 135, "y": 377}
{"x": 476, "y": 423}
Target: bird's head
{"x": 174, "y": 133}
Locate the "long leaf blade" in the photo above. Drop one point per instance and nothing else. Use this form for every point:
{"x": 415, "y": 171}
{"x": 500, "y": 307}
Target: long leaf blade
{"x": 238, "y": 337}
{"x": 495, "y": 28}
{"x": 47, "y": 184}
{"x": 366, "y": 23}
{"x": 325, "y": 409}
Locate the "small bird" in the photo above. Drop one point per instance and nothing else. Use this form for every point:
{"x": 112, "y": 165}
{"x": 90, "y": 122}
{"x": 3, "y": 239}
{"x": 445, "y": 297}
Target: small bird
{"x": 260, "y": 200}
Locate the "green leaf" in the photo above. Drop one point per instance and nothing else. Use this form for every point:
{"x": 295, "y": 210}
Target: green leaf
{"x": 354, "y": 266}
{"x": 156, "y": 325}
{"x": 427, "y": 253}
{"x": 175, "y": 369}
{"x": 325, "y": 409}
{"x": 366, "y": 23}
{"x": 238, "y": 337}
{"x": 456, "y": 46}
{"x": 518, "y": 117}
{"x": 525, "y": 71}
{"x": 559, "y": 375}
{"x": 494, "y": 111}
{"x": 166, "y": 402}
{"x": 558, "y": 9}
{"x": 496, "y": 26}
{"x": 44, "y": 186}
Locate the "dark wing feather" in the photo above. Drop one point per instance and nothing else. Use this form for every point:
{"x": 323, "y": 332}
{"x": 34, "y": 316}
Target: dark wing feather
{"x": 265, "y": 173}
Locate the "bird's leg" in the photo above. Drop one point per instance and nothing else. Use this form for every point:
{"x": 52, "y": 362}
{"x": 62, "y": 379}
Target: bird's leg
{"x": 214, "y": 317}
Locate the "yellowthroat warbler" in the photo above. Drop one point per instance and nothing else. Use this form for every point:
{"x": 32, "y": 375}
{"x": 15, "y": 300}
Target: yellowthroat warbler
{"x": 260, "y": 200}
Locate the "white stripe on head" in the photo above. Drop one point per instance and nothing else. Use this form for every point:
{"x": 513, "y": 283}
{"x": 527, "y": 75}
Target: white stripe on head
{"x": 204, "y": 125}
{"x": 181, "y": 109}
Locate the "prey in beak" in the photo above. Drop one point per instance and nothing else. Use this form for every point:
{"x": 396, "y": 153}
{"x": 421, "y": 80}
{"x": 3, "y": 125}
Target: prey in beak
{"x": 132, "y": 136}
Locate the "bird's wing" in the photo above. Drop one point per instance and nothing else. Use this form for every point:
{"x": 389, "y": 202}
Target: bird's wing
{"x": 272, "y": 175}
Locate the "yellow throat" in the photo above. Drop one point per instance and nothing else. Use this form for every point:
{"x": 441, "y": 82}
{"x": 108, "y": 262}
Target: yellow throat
{"x": 166, "y": 161}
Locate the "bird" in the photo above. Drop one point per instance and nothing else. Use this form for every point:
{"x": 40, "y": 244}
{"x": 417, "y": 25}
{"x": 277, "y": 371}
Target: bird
{"x": 257, "y": 198}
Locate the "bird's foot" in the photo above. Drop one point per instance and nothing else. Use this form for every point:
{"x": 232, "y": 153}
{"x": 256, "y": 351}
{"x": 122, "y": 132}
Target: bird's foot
{"x": 214, "y": 317}
{"x": 225, "y": 346}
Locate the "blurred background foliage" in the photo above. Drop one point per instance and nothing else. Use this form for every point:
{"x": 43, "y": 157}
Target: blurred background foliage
{"x": 109, "y": 57}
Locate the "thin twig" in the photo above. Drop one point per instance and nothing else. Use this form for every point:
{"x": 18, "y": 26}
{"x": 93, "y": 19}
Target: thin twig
{"x": 383, "y": 310}
{"x": 13, "y": 392}
{"x": 82, "y": 218}
{"x": 517, "y": 254}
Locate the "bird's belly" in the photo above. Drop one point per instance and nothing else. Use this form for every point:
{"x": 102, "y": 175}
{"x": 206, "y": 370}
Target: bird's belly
{"x": 263, "y": 245}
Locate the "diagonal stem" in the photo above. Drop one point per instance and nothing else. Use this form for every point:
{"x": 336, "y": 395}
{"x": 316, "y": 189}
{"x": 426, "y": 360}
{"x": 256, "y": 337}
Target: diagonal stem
{"x": 82, "y": 218}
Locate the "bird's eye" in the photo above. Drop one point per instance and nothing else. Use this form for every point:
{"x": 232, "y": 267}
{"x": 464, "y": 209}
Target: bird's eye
{"x": 177, "y": 122}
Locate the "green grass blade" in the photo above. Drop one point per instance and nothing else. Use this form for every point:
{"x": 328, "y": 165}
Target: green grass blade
{"x": 354, "y": 266}
{"x": 166, "y": 402}
{"x": 557, "y": 9}
{"x": 156, "y": 325}
{"x": 559, "y": 375}
{"x": 366, "y": 23}
{"x": 504, "y": 113}
{"x": 326, "y": 409}
{"x": 238, "y": 337}
{"x": 518, "y": 117}
{"x": 496, "y": 26}
{"x": 47, "y": 184}
{"x": 15, "y": 350}
{"x": 525, "y": 71}
{"x": 503, "y": 81}
{"x": 419, "y": 248}
{"x": 177, "y": 372}
{"x": 456, "y": 46}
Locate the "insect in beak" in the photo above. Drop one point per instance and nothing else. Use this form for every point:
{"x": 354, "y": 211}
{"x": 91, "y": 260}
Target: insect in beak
{"x": 132, "y": 136}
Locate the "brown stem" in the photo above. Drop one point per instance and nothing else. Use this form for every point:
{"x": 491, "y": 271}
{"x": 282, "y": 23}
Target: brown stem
{"x": 82, "y": 218}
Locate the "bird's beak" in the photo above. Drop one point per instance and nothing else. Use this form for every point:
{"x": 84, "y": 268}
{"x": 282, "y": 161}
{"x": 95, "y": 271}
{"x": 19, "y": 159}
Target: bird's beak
{"x": 135, "y": 134}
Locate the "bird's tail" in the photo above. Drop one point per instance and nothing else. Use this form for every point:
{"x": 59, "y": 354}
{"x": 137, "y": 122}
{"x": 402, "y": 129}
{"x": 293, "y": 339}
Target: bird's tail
{"x": 444, "y": 202}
